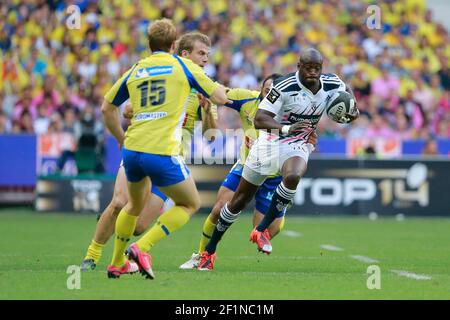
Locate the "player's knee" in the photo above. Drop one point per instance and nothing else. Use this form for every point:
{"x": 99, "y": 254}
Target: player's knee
{"x": 197, "y": 204}
{"x": 118, "y": 202}
{"x": 193, "y": 205}
{"x": 291, "y": 180}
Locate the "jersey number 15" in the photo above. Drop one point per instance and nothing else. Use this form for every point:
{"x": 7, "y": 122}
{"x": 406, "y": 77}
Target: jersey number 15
{"x": 157, "y": 94}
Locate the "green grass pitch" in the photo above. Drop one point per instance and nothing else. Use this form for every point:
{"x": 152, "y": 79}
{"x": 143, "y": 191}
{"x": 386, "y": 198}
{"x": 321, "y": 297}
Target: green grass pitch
{"x": 36, "y": 250}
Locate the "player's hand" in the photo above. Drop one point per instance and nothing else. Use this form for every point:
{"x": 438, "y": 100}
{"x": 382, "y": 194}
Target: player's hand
{"x": 205, "y": 103}
{"x": 350, "y": 116}
{"x": 312, "y": 138}
{"x": 298, "y": 127}
{"x": 128, "y": 112}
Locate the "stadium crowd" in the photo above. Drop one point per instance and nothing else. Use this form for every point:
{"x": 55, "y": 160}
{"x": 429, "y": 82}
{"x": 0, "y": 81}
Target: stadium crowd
{"x": 53, "y": 77}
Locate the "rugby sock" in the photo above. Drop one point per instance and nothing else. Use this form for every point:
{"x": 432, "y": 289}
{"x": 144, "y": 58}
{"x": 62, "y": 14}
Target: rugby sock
{"x": 208, "y": 229}
{"x": 169, "y": 222}
{"x": 125, "y": 226}
{"x": 283, "y": 222}
{"x": 280, "y": 200}
{"x": 226, "y": 219}
{"x": 94, "y": 251}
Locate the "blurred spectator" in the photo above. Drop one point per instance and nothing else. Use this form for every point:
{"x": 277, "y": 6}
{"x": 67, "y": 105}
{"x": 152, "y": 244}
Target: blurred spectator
{"x": 243, "y": 80}
{"x": 359, "y": 127}
{"x": 370, "y": 150}
{"x": 26, "y": 123}
{"x": 430, "y": 148}
{"x": 4, "y": 123}
{"x": 42, "y": 121}
{"x": 44, "y": 68}
{"x": 379, "y": 128}
{"x": 385, "y": 84}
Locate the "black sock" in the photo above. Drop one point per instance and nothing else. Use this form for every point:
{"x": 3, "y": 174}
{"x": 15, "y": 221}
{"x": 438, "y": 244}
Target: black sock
{"x": 226, "y": 219}
{"x": 280, "y": 200}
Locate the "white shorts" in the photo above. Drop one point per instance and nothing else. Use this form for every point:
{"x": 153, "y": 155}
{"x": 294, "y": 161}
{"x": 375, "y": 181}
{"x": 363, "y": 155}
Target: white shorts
{"x": 266, "y": 159}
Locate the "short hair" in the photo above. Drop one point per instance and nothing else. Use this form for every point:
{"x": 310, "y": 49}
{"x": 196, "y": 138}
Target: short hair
{"x": 186, "y": 42}
{"x": 273, "y": 77}
{"x": 161, "y": 35}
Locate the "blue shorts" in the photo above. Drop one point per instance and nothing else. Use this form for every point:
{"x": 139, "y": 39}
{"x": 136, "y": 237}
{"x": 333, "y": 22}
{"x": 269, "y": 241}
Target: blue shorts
{"x": 163, "y": 170}
{"x": 263, "y": 196}
{"x": 154, "y": 190}
{"x": 158, "y": 193}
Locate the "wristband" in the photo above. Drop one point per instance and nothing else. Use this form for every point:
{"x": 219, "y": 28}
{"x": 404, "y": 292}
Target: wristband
{"x": 285, "y": 129}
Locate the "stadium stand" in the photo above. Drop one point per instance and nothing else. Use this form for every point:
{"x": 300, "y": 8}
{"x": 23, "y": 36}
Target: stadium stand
{"x": 400, "y": 73}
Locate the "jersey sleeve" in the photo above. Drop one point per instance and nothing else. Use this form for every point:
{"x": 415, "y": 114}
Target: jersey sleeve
{"x": 342, "y": 85}
{"x": 332, "y": 81}
{"x": 272, "y": 102}
{"x": 197, "y": 78}
{"x": 240, "y": 97}
{"x": 118, "y": 93}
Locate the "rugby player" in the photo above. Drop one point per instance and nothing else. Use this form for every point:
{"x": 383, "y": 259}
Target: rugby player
{"x": 246, "y": 103}
{"x": 286, "y": 117}
{"x": 194, "y": 46}
{"x": 158, "y": 87}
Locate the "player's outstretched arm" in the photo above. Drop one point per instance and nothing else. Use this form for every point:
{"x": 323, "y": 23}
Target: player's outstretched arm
{"x": 111, "y": 118}
{"x": 219, "y": 96}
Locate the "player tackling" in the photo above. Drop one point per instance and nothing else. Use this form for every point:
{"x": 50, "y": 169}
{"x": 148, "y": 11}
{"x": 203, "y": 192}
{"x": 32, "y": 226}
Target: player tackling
{"x": 286, "y": 117}
{"x": 158, "y": 87}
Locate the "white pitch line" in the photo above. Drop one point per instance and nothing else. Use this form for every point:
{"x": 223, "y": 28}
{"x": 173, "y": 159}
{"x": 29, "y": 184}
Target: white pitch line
{"x": 330, "y": 247}
{"x": 364, "y": 259}
{"x": 411, "y": 275}
{"x": 292, "y": 234}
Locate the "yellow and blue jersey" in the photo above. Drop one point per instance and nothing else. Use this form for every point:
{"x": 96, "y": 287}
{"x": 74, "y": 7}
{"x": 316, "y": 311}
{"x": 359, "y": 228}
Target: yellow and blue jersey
{"x": 246, "y": 103}
{"x": 194, "y": 112}
{"x": 159, "y": 87}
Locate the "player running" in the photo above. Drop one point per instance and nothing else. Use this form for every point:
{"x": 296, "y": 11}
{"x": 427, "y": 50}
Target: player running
{"x": 158, "y": 87}
{"x": 286, "y": 117}
{"x": 246, "y": 103}
{"x": 194, "y": 46}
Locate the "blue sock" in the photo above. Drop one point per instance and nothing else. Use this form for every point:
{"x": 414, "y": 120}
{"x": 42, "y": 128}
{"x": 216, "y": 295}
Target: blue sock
{"x": 226, "y": 219}
{"x": 280, "y": 200}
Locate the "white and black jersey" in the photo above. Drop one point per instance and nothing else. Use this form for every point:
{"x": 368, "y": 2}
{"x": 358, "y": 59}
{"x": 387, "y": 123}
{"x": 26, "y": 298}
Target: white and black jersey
{"x": 292, "y": 102}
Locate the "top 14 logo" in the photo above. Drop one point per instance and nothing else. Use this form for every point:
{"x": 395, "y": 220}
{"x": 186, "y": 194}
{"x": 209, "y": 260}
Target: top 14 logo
{"x": 400, "y": 188}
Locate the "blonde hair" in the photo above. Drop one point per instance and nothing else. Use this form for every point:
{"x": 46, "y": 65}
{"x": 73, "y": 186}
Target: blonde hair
{"x": 161, "y": 35}
{"x": 186, "y": 42}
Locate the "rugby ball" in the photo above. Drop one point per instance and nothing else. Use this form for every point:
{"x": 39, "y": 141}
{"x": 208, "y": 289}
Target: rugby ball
{"x": 340, "y": 104}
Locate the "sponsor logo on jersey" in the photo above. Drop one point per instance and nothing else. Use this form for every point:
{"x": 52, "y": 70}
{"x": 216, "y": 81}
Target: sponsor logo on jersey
{"x": 312, "y": 119}
{"x": 146, "y": 116}
{"x": 153, "y": 71}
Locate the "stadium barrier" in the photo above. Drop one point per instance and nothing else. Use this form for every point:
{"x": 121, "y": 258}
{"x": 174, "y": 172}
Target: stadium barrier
{"x": 330, "y": 187}
{"x": 28, "y": 156}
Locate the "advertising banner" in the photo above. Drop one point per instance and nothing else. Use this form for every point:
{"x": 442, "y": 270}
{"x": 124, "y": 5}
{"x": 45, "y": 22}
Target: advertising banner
{"x": 386, "y": 187}
{"x": 330, "y": 187}
{"x": 82, "y": 194}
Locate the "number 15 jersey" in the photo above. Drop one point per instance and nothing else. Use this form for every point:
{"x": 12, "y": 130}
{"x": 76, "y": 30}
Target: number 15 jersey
{"x": 158, "y": 87}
